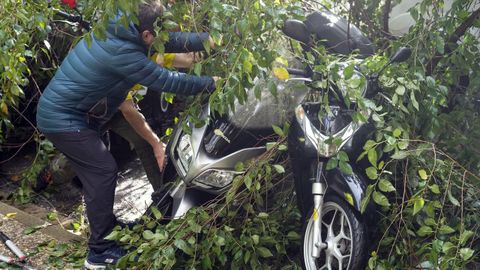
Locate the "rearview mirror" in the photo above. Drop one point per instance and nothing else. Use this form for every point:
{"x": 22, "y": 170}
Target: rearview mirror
{"x": 401, "y": 55}
{"x": 297, "y": 30}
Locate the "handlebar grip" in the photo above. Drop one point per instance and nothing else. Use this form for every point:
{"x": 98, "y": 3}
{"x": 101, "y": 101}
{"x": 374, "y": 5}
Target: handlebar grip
{"x": 74, "y": 18}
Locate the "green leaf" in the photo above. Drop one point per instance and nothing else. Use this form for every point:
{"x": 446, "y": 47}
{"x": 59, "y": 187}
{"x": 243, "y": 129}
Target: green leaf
{"x": 258, "y": 92}
{"x": 169, "y": 25}
{"x": 430, "y": 222}
{"x": 182, "y": 245}
{"x": 122, "y": 262}
{"x": 30, "y": 230}
{"x": 369, "y": 145}
{"x": 248, "y": 181}
{"x": 197, "y": 69}
{"x": 343, "y": 156}
{"x": 270, "y": 145}
{"x": 380, "y": 199}
{"x": 397, "y": 132}
{"x": 447, "y": 247}
{"x": 247, "y": 66}
{"x": 423, "y": 174}
{"x": 345, "y": 168}
{"x": 400, "y": 155}
{"x": 348, "y": 71}
{"x": 113, "y": 235}
{"x": 466, "y": 253}
{"x": 272, "y": 87}
{"x": 256, "y": 239}
{"x": 332, "y": 163}
{"x": 52, "y": 216}
{"x": 349, "y": 198}
{"x": 445, "y": 229}
{"x": 372, "y": 173}
{"x": 279, "y": 168}
{"x": 452, "y": 199}
{"x": 440, "y": 44}
{"x": 372, "y": 157}
{"x": 465, "y": 236}
{"x": 293, "y": 235}
{"x": 430, "y": 82}
{"x": 263, "y": 215}
{"x": 418, "y": 205}
{"x": 424, "y": 231}
{"x": 278, "y": 131}
{"x": 156, "y": 213}
{"x": 264, "y": 252}
{"x": 435, "y": 189}
{"x": 206, "y": 263}
{"x": 147, "y": 235}
{"x": 385, "y": 186}
{"x": 402, "y": 145}
{"x": 414, "y": 101}
{"x": 400, "y": 91}
{"x": 366, "y": 199}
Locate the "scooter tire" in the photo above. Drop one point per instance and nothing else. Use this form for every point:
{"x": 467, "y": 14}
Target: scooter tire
{"x": 357, "y": 233}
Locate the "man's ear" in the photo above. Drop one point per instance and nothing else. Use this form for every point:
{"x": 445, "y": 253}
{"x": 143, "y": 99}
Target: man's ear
{"x": 146, "y": 36}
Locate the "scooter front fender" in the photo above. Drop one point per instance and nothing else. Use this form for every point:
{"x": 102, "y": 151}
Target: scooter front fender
{"x": 352, "y": 188}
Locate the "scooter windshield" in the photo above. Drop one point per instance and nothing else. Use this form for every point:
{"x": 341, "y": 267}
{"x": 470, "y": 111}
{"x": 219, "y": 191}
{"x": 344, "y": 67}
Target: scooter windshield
{"x": 269, "y": 110}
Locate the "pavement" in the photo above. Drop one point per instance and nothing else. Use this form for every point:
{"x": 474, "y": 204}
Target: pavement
{"x": 132, "y": 197}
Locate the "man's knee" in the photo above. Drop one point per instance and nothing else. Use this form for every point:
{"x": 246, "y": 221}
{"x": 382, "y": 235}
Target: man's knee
{"x": 108, "y": 168}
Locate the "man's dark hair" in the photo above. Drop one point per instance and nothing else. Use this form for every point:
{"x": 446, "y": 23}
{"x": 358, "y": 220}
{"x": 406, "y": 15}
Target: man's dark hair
{"x": 148, "y": 13}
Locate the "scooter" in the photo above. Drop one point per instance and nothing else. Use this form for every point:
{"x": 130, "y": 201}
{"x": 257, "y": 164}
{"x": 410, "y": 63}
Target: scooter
{"x": 334, "y": 231}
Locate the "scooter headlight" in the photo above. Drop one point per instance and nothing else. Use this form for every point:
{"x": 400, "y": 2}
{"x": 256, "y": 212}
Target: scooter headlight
{"x": 185, "y": 151}
{"x": 215, "y": 179}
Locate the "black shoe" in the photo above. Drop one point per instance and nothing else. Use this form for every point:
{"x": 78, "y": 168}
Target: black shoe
{"x": 129, "y": 225}
{"x": 103, "y": 259}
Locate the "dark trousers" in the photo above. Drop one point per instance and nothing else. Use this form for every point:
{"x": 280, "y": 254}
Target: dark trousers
{"x": 144, "y": 150}
{"x": 97, "y": 170}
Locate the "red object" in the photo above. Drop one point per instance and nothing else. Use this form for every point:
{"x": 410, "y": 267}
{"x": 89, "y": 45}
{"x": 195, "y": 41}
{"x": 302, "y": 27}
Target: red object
{"x": 71, "y": 3}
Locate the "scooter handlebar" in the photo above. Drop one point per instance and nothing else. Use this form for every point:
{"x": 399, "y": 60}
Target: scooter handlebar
{"x": 74, "y": 18}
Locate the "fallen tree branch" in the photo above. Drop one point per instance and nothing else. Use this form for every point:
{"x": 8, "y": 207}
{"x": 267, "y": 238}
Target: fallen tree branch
{"x": 459, "y": 32}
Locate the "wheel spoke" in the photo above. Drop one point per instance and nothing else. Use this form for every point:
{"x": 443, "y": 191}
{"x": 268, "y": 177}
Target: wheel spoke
{"x": 330, "y": 233}
{"x": 341, "y": 234}
{"x": 329, "y": 262}
{"x": 340, "y": 257}
{"x": 324, "y": 223}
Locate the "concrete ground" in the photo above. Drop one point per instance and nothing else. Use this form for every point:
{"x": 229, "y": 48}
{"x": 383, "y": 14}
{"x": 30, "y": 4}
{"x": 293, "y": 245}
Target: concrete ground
{"x": 133, "y": 195}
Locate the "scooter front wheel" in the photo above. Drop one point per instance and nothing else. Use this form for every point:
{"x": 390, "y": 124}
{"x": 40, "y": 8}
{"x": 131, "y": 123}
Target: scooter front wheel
{"x": 344, "y": 233}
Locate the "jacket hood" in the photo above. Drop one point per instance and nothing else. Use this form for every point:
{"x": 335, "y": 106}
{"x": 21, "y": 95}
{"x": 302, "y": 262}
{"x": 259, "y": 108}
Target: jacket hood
{"x": 117, "y": 28}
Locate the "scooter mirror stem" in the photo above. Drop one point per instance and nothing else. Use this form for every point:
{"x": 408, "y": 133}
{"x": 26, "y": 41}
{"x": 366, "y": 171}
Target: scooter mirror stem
{"x": 400, "y": 56}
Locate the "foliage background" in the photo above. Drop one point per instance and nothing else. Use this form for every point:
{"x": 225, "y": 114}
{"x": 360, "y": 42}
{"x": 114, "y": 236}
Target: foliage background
{"x": 424, "y": 159}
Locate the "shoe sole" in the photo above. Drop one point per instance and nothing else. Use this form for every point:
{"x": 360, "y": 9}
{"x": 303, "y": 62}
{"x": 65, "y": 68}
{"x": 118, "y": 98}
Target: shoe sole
{"x": 91, "y": 266}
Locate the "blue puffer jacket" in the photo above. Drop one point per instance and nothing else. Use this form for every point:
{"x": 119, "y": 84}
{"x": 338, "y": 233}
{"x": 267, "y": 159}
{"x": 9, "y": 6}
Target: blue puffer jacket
{"x": 93, "y": 81}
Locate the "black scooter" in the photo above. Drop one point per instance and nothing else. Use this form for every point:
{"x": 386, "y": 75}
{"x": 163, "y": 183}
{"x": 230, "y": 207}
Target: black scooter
{"x": 334, "y": 231}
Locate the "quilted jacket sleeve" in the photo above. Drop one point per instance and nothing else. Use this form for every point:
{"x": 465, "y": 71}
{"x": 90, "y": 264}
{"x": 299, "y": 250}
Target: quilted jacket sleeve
{"x": 135, "y": 67}
{"x": 180, "y": 42}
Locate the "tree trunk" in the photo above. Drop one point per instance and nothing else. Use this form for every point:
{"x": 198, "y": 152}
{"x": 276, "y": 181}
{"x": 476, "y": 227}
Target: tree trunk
{"x": 386, "y": 15}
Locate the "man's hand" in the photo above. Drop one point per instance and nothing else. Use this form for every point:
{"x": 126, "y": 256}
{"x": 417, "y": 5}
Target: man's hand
{"x": 137, "y": 121}
{"x": 159, "y": 152}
